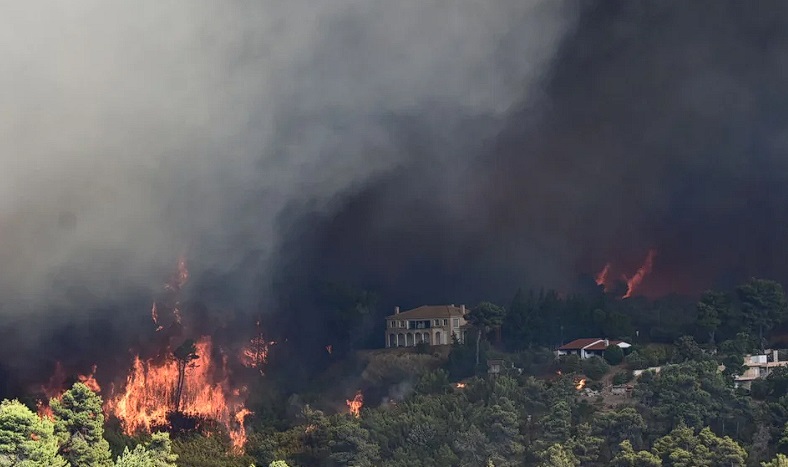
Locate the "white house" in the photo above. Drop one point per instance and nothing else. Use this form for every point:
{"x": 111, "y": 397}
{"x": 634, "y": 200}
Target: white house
{"x": 588, "y": 347}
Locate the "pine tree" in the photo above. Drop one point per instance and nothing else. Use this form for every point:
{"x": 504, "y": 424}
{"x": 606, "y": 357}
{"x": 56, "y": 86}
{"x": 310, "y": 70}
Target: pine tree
{"x": 79, "y": 424}
{"x": 25, "y": 439}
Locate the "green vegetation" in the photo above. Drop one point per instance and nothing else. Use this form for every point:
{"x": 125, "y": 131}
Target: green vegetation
{"x": 437, "y": 406}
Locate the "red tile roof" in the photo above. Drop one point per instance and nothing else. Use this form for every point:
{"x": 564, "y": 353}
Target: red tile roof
{"x": 589, "y": 343}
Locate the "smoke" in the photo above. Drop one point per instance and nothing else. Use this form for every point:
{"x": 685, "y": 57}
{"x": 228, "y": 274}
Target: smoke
{"x": 430, "y": 151}
{"x": 132, "y": 134}
{"x": 660, "y": 126}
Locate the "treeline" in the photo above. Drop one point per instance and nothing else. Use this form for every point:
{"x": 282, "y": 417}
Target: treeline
{"x": 687, "y": 415}
{"x": 544, "y": 318}
{"x": 427, "y": 407}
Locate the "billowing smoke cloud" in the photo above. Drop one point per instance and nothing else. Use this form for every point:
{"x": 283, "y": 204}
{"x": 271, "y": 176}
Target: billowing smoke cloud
{"x": 131, "y": 134}
{"x": 430, "y": 151}
{"x": 661, "y": 126}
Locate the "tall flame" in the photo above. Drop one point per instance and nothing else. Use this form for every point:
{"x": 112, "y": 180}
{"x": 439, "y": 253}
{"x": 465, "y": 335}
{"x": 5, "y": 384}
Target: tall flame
{"x": 356, "y": 404}
{"x": 146, "y": 399}
{"x": 635, "y": 281}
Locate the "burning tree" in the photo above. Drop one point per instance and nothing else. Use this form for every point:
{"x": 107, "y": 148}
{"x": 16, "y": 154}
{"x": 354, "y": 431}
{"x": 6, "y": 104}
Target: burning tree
{"x": 255, "y": 355}
{"x": 356, "y": 404}
{"x": 184, "y": 355}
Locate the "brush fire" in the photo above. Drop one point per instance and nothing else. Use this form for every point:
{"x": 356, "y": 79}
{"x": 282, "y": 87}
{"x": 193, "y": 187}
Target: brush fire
{"x": 356, "y": 404}
{"x": 191, "y": 379}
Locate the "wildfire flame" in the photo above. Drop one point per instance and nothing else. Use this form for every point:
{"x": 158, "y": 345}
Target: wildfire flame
{"x": 601, "y": 277}
{"x": 90, "y": 380}
{"x": 356, "y": 404}
{"x": 580, "y": 384}
{"x": 460, "y": 385}
{"x": 56, "y": 386}
{"x": 635, "y": 281}
{"x": 255, "y": 355}
{"x": 154, "y": 314}
{"x": 146, "y": 399}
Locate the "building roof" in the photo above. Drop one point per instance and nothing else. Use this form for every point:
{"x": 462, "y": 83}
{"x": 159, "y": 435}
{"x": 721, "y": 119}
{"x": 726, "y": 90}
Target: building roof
{"x": 430, "y": 312}
{"x": 592, "y": 343}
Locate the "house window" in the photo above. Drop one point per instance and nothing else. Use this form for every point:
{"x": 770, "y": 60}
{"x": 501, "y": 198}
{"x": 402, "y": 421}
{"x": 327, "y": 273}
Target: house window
{"x": 456, "y": 322}
{"x": 437, "y": 322}
{"x": 445, "y": 322}
{"x": 402, "y": 324}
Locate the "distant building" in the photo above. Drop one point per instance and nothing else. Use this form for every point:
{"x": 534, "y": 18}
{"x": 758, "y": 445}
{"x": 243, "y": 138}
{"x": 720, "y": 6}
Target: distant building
{"x": 430, "y": 324}
{"x": 589, "y": 347}
{"x": 758, "y": 367}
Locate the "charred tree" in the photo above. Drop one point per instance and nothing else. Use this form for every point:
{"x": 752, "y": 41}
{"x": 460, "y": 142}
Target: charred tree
{"x": 184, "y": 355}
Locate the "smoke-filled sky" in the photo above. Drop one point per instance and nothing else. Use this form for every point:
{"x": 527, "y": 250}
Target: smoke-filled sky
{"x": 435, "y": 151}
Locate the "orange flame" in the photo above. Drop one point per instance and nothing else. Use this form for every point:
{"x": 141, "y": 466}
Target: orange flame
{"x": 90, "y": 380}
{"x": 460, "y": 385}
{"x": 255, "y": 355}
{"x": 154, "y": 314}
{"x": 601, "y": 277}
{"x": 634, "y": 282}
{"x": 356, "y": 404}
{"x": 580, "y": 384}
{"x": 150, "y": 389}
{"x": 56, "y": 386}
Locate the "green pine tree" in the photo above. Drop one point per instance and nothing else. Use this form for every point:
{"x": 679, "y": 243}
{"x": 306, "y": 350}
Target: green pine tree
{"x": 25, "y": 439}
{"x": 79, "y": 424}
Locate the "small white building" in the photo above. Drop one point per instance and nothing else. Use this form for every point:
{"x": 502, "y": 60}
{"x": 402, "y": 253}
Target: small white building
{"x": 588, "y": 347}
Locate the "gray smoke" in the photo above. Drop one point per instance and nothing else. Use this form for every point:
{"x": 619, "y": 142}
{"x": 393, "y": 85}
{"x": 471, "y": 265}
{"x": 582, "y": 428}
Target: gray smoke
{"x": 132, "y": 133}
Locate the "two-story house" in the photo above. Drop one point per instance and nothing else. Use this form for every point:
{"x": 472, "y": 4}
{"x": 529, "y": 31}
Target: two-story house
{"x": 431, "y": 324}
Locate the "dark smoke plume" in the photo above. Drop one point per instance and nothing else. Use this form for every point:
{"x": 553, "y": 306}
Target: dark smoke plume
{"x": 661, "y": 125}
{"x": 429, "y": 151}
{"x": 133, "y": 135}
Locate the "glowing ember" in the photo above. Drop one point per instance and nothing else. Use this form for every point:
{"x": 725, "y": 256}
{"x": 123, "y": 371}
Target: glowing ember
{"x": 356, "y": 404}
{"x": 154, "y": 314}
{"x": 634, "y": 281}
{"x": 460, "y": 385}
{"x": 601, "y": 277}
{"x": 150, "y": 388}
{"x": 580, "y": 384}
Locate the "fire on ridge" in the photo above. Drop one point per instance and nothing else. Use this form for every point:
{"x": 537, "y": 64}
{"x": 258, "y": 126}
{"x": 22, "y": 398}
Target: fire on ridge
{"x": 603, "y": 277}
